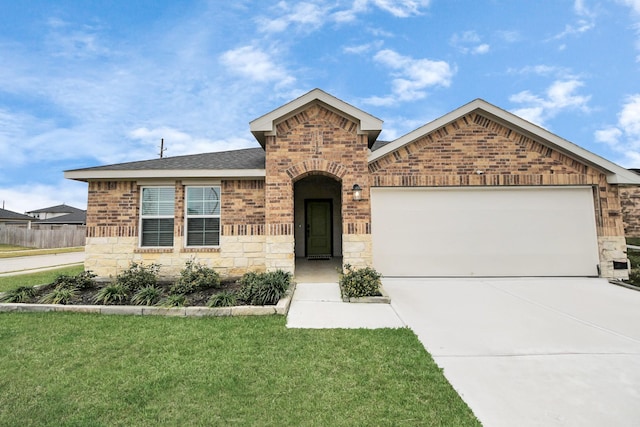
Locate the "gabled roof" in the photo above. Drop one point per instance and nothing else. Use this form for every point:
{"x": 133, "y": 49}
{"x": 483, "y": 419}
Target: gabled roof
{"x": 266, "y": 125}
{"x": 57, "y": 209}
{"x": 14, "y": 216}
{"x": 236, "y": 163}
{"x": 615, "y": 174}
{"x": 79, "y": 217}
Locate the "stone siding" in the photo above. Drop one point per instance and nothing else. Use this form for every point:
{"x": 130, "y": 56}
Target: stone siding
{"x": 630, "y": 203}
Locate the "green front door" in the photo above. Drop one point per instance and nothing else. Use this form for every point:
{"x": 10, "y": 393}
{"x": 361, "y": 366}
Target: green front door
{"x": 318, "y": 227}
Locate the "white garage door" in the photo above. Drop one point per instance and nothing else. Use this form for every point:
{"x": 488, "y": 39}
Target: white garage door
{"x": 532, "y": 231}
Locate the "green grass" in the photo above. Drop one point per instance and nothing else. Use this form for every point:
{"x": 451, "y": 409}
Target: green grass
{"x": 6, "y": 248}
{"x": 70, "y": 369}
{"x": 40, "y": 278}
{"x": 7, "y": 251}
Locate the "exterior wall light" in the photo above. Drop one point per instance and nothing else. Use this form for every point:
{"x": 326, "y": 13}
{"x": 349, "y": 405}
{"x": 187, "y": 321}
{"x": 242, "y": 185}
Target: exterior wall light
{"x": 357, "y": 192}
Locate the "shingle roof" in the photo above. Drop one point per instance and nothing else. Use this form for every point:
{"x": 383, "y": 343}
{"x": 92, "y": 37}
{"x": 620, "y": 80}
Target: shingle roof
{"x": 379, "y": 144}
{"x": 249, "y": 158}
{"x": 5, "y": 214}
{"x": 58, "y": 209}
{"x": 79, "y": 217}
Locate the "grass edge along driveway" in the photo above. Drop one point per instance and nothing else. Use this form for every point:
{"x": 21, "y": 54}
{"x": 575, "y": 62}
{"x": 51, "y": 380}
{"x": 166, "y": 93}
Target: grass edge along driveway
{"x": 82, "y": 369}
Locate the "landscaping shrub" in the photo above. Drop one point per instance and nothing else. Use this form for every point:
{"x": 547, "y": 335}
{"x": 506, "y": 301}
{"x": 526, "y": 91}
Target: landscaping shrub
{"x": 175, "y": 300}
{"x": 138, "y": 276}
{"x": 61, "y": 295}
{"x": 195, "y": 276}
{"x": 20, "y": 294}
{"x": 634, "y": 276}
{"x": 79, "y": 282}
{"x": 363, "y": 282}
{"x": 113, "y": 293}
{"x": 264, "y": 288}
{"x": 148, "y": 295}
{"x": 223, "y": 299}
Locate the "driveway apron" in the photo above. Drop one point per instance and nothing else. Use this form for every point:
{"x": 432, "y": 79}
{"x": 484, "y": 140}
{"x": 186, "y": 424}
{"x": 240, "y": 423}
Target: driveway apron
{"x": 531, "y": 352}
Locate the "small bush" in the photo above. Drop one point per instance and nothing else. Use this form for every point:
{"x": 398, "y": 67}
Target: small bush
{"x": 79, "y": 282}
{"x": 195, "y": 276}
{"x": 138, "y": 276}
{"x": 634, "y": 276}
{"x": 223, "y": 299}
{"x": 175, "y": 300}
{"x": 146, "y": 296}
{"x": 111, "y": 294}
{"x": 60, "y": 295}
{"x": 20, "y": 294}
{"x": 363, "y": 282}
{"x": 264, "y": 288}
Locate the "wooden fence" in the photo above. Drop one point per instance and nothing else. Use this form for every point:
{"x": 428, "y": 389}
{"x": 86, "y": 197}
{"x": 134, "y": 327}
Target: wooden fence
{"x": 44, "y": 237}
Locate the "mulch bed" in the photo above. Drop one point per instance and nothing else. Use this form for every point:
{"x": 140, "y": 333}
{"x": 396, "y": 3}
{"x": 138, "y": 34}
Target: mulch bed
{"x": 195, "y": 299}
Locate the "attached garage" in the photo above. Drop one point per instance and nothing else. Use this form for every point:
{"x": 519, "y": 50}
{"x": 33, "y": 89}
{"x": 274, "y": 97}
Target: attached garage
{"x": 484, "y": 231}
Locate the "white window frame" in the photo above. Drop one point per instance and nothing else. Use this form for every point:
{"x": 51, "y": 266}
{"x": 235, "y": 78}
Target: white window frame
{"x": 157, "y": 216}
{"x": 188, "y": 216}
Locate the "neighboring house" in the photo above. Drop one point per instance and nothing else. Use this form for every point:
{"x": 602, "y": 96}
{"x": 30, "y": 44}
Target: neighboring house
{"x": 60, "y": 215}
{"x": 477, "y": 192}
{"x": 630, "y": 202}
{"x": 13, "y": 218}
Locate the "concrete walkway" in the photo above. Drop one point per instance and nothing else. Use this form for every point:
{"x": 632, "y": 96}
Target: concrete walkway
{"x": 319, "y": 306}
{"x": 32, "y": 264}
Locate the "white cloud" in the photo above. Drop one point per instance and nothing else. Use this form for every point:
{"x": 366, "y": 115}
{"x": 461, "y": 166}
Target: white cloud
{"x": 309, "y": 16}
{"x": 251, "y": 62}
{"x": 586, "y": 21}
{"x": 363, "y": 48}
{"x": 469, "y": 42}
{"x": 633, "y": 4}
{"x": 558, "y": 97}
{"x": 411, "y": 77}
{"x": 624, "y": 137}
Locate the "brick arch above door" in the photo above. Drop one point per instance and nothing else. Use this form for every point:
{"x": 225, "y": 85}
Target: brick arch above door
{"x": 320, "y": 166}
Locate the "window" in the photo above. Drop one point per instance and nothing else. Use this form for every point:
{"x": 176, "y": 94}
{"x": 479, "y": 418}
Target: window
{"x": 203, "y": 216}
{"x": 157, "y": 216}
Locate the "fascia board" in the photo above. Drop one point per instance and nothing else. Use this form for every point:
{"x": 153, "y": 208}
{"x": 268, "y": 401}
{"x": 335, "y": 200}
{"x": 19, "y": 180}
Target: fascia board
{"x": 85, "y": 175}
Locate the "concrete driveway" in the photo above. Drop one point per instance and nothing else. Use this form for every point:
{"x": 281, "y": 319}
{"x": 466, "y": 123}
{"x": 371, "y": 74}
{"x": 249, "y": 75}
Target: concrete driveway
{"x": 531, "y": 352}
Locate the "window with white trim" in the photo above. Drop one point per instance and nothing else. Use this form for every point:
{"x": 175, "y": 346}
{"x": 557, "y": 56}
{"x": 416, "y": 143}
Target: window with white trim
{"x": 203, "y": 216}
{"x": 157, "y": 216}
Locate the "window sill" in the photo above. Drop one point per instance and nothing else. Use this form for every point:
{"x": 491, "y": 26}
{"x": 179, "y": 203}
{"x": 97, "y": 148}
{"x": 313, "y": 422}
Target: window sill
{"x": 153, "y": 250}
{"x": 200, "y": 249}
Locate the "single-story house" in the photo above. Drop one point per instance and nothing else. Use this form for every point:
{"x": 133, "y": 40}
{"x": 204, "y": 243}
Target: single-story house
{"x": 476, "y": 192}
{"x": 8, "y": 217}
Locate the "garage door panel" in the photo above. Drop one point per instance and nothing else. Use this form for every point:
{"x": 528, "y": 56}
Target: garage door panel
{"x": 484, "y": 232}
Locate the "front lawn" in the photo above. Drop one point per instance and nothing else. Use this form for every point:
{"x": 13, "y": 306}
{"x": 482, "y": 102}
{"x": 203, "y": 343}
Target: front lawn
{"x": 79, "y": 369}
{"x": 40, "y": 278}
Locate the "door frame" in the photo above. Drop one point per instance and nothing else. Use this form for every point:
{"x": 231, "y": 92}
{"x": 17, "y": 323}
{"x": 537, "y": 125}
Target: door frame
{"x": 306, "y": 223}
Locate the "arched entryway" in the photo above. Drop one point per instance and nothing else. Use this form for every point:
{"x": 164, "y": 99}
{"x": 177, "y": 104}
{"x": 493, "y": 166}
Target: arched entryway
{"x": 318, "y": 223}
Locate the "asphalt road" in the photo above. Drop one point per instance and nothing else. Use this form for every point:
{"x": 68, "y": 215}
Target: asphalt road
{"x": 28, "y": 264}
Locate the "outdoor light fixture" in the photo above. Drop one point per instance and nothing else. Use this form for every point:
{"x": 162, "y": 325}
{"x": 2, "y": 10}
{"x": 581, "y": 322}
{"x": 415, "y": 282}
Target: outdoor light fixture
{"x": 357, "y": 192}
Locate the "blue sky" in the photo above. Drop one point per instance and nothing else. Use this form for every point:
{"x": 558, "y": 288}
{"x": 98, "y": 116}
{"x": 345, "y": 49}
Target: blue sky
{"x": 97, "y": 82}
